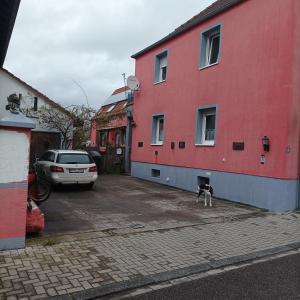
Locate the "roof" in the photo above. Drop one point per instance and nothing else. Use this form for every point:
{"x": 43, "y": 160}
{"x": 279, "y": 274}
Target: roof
{"x": 16, "y": 120}
{"x": 8, "y": 14}
{"x": 69, "y": 151}
{"x": 38, "y": 93}
{"x": 216, "y": 8}
{"x": 117, "y": 96}
{"x": 120, "y": 90}
{"x": 120, "y": 108}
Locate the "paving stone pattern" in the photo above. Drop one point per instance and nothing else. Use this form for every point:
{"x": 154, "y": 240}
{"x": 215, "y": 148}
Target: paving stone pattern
{"x": 42, "y": 271}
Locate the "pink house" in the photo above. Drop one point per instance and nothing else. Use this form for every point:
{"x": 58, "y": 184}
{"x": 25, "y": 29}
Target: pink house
{"x": 220, "y": 102}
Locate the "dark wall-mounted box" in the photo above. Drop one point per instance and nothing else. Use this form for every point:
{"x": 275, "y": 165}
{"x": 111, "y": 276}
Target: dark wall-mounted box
{"x": 181, "y": 145}
{"x": 238, "y": 146}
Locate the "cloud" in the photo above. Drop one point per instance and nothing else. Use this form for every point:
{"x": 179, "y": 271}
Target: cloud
{"x": 55, "y": 43}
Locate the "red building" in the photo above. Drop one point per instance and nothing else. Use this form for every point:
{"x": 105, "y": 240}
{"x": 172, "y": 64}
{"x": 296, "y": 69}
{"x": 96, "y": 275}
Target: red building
{"x": 110, "y": 122}
{"x": 219, "y": 103}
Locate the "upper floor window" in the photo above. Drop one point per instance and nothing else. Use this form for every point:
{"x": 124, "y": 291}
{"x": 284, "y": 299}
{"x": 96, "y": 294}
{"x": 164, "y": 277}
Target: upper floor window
{"x": 158, "y": 130}
{"x": 161, "y": 67}
{"x": 210, "y": 47}
{"x": 35, "y": 104}
{"x": 206, "y": 126}
{"x": 111, "y": 108}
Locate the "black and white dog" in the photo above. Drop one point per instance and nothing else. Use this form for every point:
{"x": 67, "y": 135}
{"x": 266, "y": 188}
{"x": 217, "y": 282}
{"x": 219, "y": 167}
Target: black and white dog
{"x": 208, "y": 192}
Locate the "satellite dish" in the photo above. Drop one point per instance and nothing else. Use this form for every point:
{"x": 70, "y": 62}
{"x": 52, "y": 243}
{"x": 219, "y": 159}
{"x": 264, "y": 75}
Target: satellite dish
{"x": 133, "y": 83}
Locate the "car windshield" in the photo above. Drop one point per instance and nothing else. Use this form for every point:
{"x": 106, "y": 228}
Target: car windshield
{"x": 73, "y": 158}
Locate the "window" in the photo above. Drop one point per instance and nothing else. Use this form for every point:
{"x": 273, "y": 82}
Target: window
{"x": 158, "y": 130}
{"x": 51, "y": 157}
{"x": 210, "y": 46}
{"x": 35, "y": 104}
{"x": 155, "y": 173}
{"x": 103, "y": 138}
{"x": 111, "y": 108}
{"x": 203, "y": 180}
{"x": 120, "y": 138}
{"x": 48, "y": 156}
{"x": 161, "y": 67}
{"x": 206, "y": 126}
{"x": 72, "y": 158}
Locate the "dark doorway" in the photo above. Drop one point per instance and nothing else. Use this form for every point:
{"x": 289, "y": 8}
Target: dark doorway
{"x": 41, "y": 142}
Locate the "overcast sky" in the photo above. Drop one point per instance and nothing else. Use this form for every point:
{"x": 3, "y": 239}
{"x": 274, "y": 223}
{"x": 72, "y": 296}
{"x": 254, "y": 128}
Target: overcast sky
{"x": 55, "y": 42}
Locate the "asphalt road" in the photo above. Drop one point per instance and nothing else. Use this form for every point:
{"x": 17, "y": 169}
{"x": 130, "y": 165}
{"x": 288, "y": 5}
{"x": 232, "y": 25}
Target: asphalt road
{"x": 121, "y": 201}
{"x": 277, "y": 279}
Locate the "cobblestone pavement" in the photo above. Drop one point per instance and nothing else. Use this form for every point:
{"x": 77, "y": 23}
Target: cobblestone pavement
{"x": 85, "y": 261}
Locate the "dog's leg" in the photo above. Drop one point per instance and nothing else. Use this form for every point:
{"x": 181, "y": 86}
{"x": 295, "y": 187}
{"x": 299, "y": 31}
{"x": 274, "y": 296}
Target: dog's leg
{"x": 210, "y": 202}
{"x": 205, "y": 198}
{"x": 198, "y": 191}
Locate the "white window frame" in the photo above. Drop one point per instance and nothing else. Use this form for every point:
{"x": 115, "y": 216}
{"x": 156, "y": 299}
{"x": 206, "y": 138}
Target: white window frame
{"x": 203, "y": 140}
{"x": 207, "y": 37}
{"x": 209, "y": 47}
{"x": 157, "y": 141}
{"x": 161, "y": 63}
{"x": 111, "y": 108}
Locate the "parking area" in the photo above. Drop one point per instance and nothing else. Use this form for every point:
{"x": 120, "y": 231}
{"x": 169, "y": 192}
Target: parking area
{"x": 125, "y": 204}
{"x": 127, "y": 233}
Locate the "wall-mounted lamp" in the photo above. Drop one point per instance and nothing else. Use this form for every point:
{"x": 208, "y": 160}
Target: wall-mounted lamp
{"x": 266, "y": 143}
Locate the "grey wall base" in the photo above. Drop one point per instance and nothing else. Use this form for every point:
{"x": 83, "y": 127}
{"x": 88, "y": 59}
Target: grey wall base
{"x": 273, "y": 194}
{"x": 12, "y": 243}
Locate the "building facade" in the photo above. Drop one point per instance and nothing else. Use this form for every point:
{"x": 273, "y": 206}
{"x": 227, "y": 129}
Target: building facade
{"x": 15, "y": 132}
{"x": 32, "y": 101}
{"x": 110, "y": 122}
{"x": 219, "y": 103}
{"x": 110, "y": 130}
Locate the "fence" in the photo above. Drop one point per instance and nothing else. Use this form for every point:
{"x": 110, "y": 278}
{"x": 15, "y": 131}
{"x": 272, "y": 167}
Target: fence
{"x": 113, "y": 160}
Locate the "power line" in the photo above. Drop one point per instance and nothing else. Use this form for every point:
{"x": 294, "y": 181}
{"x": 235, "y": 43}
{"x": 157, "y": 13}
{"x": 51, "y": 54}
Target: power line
{"x": 82, "y": 89}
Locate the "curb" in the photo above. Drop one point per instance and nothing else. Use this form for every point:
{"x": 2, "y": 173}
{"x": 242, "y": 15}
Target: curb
{"x": 171, "y": 275}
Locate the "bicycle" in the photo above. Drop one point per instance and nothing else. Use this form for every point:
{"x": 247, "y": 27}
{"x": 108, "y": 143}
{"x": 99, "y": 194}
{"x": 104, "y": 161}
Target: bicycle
{"x": 39, "y": 189}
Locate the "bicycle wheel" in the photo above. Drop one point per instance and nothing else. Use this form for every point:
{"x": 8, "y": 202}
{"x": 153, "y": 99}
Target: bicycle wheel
{"x": 43, "y": 191}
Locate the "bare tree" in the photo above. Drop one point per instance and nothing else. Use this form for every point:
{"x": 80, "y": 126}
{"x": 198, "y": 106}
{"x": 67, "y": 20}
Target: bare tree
{"x": 61, "y": 121}
{"x": 73, "y": 123}
{"x": 82, "y": 117}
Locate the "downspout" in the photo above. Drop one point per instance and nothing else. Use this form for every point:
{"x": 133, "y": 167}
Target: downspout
{"x": 296, "y": 77}
{"x": 129, "y": 111}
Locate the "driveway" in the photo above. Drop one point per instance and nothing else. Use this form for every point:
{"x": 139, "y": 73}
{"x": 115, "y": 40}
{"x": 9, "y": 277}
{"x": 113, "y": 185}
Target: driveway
{"x": 130, "y": 234}
{"x": 126, "y": 204}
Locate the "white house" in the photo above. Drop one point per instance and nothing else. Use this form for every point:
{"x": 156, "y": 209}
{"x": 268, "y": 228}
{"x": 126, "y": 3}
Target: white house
{"x": 31, "y": 101}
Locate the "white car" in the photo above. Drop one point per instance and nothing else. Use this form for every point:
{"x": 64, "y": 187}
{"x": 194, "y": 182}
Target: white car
{"x": 67, "y": 167}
